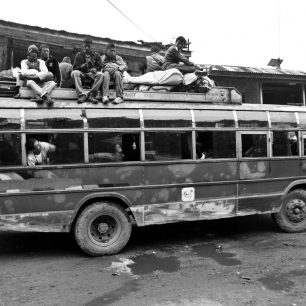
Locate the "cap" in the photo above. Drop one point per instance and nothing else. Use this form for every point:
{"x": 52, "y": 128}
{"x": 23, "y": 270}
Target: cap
{"x": 32, "y": 48}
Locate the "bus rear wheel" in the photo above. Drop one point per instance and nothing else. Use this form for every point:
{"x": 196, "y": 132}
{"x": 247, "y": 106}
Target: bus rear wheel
{"x": 102, "y": 228}
{"x": 292, "y": 216}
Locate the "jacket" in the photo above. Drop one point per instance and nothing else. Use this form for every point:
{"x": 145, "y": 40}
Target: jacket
{"x": 80, "y": 60}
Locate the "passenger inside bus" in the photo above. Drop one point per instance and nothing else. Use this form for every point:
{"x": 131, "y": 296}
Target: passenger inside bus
{"x": 38, "y": 151}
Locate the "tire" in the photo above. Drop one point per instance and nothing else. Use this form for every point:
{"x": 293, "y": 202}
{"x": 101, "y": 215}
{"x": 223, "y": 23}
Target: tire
{"x": 103, "y": 228}
{"x": 292, "y": 216}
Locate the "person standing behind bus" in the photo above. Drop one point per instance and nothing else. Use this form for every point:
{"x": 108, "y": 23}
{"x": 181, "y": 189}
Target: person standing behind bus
{"x": 154, "y": 61}
{"x": 51, "y": 63}
{"x": 113, "y": 66}
{"x": 174, "y": 58}
{"x": 86, "y": 67}
{"x": 37, "y": 76}
{"x": 37, "y": 152}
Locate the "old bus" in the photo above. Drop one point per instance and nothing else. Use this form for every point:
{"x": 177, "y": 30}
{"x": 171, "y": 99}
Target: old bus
{"x": 183, "y": 157}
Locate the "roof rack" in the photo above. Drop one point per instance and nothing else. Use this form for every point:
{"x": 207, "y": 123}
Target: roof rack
{"x": 216, "y": 95}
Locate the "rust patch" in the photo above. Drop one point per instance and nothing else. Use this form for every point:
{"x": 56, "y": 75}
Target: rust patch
{"x": 182, "y": 211}
{"x": 253, "y": 170}
{"x": 37, "y": 222}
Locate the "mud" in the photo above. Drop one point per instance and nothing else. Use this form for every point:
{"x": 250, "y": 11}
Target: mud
{"x": 234, "y": 262}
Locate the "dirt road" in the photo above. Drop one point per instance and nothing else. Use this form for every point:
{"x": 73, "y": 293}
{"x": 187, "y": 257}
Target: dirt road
{"x": 242, "y": 261}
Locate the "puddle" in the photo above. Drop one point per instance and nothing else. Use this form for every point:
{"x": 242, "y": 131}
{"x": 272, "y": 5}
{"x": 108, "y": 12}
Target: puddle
{"x": 281, "y": 282}
{"x": 148, "y": 263}
{"x": 115, "y": 295}
{"x": 212, "y": 251}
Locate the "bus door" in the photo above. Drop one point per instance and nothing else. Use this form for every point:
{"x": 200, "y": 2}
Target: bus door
{"x": 255, "y": 190}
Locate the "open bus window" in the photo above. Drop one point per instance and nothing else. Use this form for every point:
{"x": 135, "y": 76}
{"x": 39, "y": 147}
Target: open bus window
{"x": 254, "y": 145}
{"x": 167, "y": 145}
{"x": 113, "y": 147}
{"x": 221, "y": 144}
{"x": 10, "y": 150}
{"x": 285, "y": 143}
{"x": 69, "y": 147}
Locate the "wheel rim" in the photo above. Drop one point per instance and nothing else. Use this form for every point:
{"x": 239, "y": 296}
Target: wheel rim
{"x": 104, "y": 229}
{"x": 296, "y": 210}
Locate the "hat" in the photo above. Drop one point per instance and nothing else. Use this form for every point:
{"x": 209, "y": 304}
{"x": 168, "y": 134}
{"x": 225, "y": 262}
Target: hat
{"x": 87, "y": 40}
{"x": 32, "y": 48}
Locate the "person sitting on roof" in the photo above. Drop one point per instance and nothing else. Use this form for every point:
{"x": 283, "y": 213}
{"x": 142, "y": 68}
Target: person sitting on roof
{"x": 37, "y": 76}
{"x": 37, "y": 152}
{"x": 87, "y": 67}
{"x": 174, "y": 58}
{"x": 51, "y": 63}
{"x": 113, "y": 67}
{"x": 154, "y": 61}
{"x": 66, "y": 68}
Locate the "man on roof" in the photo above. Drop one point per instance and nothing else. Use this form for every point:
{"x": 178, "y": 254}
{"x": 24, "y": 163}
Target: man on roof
{"x": 155, "y": 60}
{"x": 51, "y": 63}
{"x": 87, "y": 67}
{"x": 37, "y": 76}
{"x": 174, "y": 58}
{"x": 113, "y": 67}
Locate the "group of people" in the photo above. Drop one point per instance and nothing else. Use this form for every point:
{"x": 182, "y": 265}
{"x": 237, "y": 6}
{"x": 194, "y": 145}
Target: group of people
{"x": 41, "y": 72}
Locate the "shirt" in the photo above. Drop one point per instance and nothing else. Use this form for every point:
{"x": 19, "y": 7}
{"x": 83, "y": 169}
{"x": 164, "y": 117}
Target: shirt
{"x": 52, "y": 66}
{"x": 154, "y": 62}
{"x": 42, "y": 157}
{"x": 66, "y": 69}
{"x": 174, "y": 56}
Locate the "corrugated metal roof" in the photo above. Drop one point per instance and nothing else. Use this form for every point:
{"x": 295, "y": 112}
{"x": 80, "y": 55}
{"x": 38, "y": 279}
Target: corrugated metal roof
{"x": 253, "y": 70}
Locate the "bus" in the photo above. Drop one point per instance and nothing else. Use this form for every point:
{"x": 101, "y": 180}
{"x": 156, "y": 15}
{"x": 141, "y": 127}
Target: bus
{"x": 156, "y": 158}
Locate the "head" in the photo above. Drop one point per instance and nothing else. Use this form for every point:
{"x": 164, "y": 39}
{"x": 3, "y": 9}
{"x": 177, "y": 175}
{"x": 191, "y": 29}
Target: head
{"x": 118, "y": 149}
{"x": 87, "y": 44}
{"x": 180, "y": 42}
{"x": 111, "y": 50}
{"x": 32, "y": 52}
{"x": 44, "y": 51}
{"x": 66, "y": 59}
{"x": 33, "y": 145}
{"x": 155, "y": 49}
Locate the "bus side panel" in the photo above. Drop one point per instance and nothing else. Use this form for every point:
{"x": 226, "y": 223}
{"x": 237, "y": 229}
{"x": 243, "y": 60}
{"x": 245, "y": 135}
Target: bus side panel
{"x": 213, "y": 185}
{"x": 287, "y": 168}
{"x": 46, "y": 200}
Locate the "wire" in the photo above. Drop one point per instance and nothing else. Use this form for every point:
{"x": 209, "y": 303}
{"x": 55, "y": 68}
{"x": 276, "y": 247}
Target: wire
{"x": 130, "y": 20}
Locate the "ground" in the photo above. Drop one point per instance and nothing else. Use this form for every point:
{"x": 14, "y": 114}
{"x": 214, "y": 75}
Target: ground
{"x": 239, "y": 261}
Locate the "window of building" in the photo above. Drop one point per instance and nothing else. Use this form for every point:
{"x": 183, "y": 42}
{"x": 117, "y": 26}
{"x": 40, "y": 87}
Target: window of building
{"x": 10, "y": 150}
{"x": 167, "y": 145}
{"x": 282, "y": 93}
{"x": 285, "y": 143}
{"x": 113, "y": 147}
{"x": 69, "y": 147}
{"x": 219, "y": 144}
{"x": 254, "y": 145}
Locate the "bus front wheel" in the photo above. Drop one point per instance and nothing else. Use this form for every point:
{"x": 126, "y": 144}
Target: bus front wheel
{"x": 102, "y": 228}
{"x": 292, "y": 216}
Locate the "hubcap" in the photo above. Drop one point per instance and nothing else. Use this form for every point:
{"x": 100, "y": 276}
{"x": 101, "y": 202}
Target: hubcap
{"x": 296, "y": 210}
{"x": 104, "y": 229}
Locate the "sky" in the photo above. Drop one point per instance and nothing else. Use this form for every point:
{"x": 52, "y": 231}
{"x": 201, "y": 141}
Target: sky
{"x": 222, "y": 32}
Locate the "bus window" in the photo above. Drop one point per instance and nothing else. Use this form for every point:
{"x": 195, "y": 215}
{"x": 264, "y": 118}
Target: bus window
{"x": 10, "y": 119}
{"x": 166, "y": 118}
{"x": 167, "y": 145}
{"x": 113, "y": 147}
{"x": 53, "y": 118}
{"x": 254, "y": 145}
{"x": 214, "y": 118}
{"x": 10, "y": 150}
{"x": 69, "y": 147}
{"x": 283, "y": 120}
{"x": 113, "y": 118}
{"x": 221, "y": 144}
{"x": 252, "y": 120}
{"x": 285, "y": 143}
